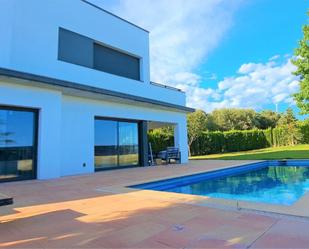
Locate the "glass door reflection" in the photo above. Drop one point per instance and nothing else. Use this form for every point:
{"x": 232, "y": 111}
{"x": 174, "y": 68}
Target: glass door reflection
{"x": 116, "y": 144}
{"x": 17, "y": 144}
{"x": 128, "y": 144}
{"x": 106, "y": 144}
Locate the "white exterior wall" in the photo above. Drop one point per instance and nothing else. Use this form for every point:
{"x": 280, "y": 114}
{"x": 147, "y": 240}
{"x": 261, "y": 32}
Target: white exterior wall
{"x": 78, "y": 141}
{"x": 49, "y": 105}
{"x": 29, "y": 43}
{"x": 66, "y": 126}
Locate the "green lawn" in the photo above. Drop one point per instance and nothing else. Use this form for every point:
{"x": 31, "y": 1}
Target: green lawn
{"x": 285, "y": 152}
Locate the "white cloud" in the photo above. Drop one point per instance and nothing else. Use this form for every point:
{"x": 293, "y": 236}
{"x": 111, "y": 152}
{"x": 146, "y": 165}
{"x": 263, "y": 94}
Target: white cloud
{"x": 190, "y": 79}
{"x": 257, "y": 85}
{"x": 275, "y": 57}
{"x": 184, "y": 32}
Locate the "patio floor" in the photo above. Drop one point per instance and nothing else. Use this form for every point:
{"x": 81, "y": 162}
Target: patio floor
{"x": 96, "y": 211}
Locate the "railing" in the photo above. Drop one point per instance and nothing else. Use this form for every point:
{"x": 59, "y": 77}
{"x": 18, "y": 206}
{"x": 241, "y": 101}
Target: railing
{"x": 165, "y": 86}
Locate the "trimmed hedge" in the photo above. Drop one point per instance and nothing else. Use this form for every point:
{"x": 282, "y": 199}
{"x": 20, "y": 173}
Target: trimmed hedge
{"x": 160, "y": 140}
{"x": 208, "y": 143}
{"x": 279, "y": 137}
{"x": 230, "y": 141}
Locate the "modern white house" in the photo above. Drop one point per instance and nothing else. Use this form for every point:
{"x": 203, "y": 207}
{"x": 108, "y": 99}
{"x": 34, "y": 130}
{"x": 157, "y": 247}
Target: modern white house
{"x": 75, "y": 91}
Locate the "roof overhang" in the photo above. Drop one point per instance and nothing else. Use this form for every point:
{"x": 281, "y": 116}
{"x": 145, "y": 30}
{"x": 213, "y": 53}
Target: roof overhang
{"x": 80, "y": 90}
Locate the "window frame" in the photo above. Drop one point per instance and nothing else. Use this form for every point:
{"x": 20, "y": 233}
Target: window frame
{"x": 36, "y": 113}
{"x": 139, "y": 58}
{"x": 139, "y": 133}
{"x": 125, "y": 53}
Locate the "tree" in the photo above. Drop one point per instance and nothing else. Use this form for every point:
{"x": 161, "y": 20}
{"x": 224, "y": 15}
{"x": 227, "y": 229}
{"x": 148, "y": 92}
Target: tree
{"x": 197, "y": 123}
{"x": 288, "y": 122}
{"x": 304, "y": 130}
{"x": 288, "y": 118}
{"x": 302, "y": 64}
{"x": 267, "y": 119}
{"x": 210, "y": 125}
{"x": 235, "y": 119}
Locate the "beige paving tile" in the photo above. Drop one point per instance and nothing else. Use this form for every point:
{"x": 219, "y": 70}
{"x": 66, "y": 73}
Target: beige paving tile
{"x": 129, "y": 236}
{"x": 280, "y": 241}
{"x": 97, "y": 211}
{"x": 206, "y": 242}
{"x": 153, "y": 244}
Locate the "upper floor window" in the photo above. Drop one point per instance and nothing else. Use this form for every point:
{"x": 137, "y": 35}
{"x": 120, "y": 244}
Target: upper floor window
{"x": 81, "y": 50}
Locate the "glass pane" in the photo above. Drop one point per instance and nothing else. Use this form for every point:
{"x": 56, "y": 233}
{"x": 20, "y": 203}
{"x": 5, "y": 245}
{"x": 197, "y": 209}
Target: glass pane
{"x": 128, "y": 144}
{"x": 106, "y": 154}
{"x": 16, "y": 144}
{"x": 70, "y": 43}
{"x": 115, "y": 62}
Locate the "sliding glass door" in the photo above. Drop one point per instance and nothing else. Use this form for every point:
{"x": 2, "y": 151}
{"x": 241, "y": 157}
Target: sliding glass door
{"x": 18, "y": 129}
{"x": 128, "y": 144}
{"x": 116, "y": 144}
{"x": 106, "y": 144}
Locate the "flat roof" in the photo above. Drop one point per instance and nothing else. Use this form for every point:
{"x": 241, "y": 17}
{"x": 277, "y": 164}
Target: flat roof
{"x": 110, "y": 13}
{"x": 90, "y": 89}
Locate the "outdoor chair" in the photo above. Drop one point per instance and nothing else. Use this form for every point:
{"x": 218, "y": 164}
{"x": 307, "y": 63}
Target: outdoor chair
{"x": 169, "y": 154}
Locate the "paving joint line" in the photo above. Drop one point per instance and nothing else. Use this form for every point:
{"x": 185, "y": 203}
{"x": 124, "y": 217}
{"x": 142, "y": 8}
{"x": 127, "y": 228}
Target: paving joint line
{"x": 270, "y": 227}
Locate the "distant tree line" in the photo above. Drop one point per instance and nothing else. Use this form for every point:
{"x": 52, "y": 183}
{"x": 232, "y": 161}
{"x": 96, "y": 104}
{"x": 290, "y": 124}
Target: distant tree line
{"x": 232, "y": 129}
{"x": 285, "y": 128}
{"x": 227, "y": 119}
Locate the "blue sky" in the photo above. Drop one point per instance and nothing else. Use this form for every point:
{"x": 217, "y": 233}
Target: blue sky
{"x": 261, "y": 29}
{"x": 222, "y": 53}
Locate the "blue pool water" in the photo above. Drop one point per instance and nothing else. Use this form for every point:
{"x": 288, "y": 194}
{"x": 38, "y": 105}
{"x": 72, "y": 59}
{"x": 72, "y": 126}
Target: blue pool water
{"x": 269, "y": 182}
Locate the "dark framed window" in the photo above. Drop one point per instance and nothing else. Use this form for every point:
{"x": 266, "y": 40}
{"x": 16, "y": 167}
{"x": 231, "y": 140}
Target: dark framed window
{"x": 84, "y": 51}
{"x": 75, "y": 48}
{"x": 116, "y": 143}
{"x": 112, "y": 61}
{"x": 18, "y": 143}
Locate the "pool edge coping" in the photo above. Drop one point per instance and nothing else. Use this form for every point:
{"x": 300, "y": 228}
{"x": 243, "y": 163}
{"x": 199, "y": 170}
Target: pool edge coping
{"x": 294, "y": 210}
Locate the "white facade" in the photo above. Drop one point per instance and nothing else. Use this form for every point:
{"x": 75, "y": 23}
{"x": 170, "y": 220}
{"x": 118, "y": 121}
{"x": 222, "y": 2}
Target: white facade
{"x": 29, "y": 44}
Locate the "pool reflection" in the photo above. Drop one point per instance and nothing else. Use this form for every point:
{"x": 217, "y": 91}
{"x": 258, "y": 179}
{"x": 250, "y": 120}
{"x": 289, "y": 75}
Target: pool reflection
{"x": 277, "y": 185}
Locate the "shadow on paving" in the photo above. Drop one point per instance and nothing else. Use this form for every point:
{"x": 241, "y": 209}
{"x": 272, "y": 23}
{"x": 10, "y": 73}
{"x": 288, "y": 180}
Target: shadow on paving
{"x": 129, "y": 220}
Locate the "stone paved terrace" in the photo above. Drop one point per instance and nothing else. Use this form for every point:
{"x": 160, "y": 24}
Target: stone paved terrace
{"x": 96, "y": 211}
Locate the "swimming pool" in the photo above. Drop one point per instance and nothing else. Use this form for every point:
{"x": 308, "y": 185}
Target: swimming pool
{"x": 274, "y": 182}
